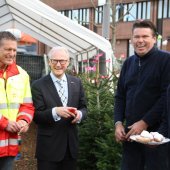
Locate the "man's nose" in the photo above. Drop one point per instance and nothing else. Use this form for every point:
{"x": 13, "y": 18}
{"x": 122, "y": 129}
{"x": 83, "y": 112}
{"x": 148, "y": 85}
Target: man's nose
{"x": 58, "y": 63}
{"x": 13, "y": 53}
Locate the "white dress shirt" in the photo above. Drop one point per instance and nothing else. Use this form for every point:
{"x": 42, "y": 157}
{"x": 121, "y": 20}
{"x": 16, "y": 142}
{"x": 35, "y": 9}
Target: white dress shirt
{"x": 65, "y": 85}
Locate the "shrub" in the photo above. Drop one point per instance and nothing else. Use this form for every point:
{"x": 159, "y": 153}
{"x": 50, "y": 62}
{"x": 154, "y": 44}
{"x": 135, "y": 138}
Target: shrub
{"x": 98, "y": 149}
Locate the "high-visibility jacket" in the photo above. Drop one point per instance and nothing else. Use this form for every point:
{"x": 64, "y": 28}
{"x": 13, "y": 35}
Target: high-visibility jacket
{"x": 15, "y": 104}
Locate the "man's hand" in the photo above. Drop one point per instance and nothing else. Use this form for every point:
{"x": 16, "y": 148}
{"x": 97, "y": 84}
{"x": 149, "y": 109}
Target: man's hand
{"x": 24, "y": 126}
{"x": 120, "y": 132}
{"x": 65, "y": 112}
{"x": 77, "y": 117}
{"x": 136, "y": 128}
{"x": 12, "y": 127}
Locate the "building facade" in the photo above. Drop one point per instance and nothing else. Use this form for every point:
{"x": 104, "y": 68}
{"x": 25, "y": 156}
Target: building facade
{"x": 89, "y": 13}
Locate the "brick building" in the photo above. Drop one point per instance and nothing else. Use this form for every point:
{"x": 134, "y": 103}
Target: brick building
{"x": 89, "y": 14}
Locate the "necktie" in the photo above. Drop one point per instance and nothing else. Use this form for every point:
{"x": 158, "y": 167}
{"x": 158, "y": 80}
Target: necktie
{"x": 61, "y": 93}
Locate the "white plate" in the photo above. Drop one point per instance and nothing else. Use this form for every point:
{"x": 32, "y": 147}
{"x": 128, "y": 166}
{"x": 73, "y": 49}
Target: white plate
{"x": 133, "y": 137}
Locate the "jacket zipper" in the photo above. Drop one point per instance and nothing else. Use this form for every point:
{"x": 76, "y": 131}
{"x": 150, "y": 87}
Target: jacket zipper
{"x": 139, "y": 62}
{"x": 5, "y": 86}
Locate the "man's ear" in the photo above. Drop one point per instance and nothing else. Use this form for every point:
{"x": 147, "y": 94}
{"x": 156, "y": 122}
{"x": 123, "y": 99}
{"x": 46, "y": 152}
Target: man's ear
{"x": 49, "y": 63}
{"x": 69, "y": 62}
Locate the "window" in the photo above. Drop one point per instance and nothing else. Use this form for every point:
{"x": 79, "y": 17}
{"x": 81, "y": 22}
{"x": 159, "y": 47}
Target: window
{"x": 119, "y": 12}
{"x": 148, "y": 14}
{"x": 133, "y": 11}
{"x": 144, "y": 10}
{"x": 75, "y": 15}
{"x": 160, "y": 4}
{"x": 164, "y": 9}
{"x": 80, "y": 16}
{"x": 85, "y": 16}
{"x": 139, "y": 11}
{"x": 125, "y": 9}
{"x": 99, "y": 15}
{"x": 129, "y": 12}
{"x": 124, "y": 12}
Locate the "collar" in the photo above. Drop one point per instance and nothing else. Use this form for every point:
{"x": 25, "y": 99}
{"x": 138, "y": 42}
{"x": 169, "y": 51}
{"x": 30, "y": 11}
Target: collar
{"x": 54, "y": 78}
{"x": 10, "y": 71}
{"x": 148, "y": 54}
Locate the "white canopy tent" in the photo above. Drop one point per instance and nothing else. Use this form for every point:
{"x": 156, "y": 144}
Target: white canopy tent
{"x": 52, "y": 28}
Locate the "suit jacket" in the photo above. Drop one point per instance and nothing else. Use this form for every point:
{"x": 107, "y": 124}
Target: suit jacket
{"x": 53, "y": 137}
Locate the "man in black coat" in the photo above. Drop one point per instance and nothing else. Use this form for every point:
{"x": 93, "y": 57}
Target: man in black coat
{"x": 140, "y": 99}
{"x": 60, "y": 105}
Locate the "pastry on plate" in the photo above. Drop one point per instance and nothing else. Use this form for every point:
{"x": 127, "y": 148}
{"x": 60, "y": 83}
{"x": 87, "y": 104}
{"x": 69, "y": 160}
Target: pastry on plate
{"x": 144, "y": 137}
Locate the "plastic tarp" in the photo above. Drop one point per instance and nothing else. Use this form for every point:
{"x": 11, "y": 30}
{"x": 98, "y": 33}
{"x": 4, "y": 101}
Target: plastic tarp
{"x": 52, "y": 28}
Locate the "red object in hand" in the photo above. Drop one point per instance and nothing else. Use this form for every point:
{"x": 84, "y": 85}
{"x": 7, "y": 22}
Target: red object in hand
{"x": 72, "y": 110}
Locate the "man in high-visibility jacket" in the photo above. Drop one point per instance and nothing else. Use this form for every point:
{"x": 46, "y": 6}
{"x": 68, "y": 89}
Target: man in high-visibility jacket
{"x": 16, "y": 107}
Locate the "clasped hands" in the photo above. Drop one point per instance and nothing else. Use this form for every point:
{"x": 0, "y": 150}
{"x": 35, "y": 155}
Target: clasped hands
{"x": 135, "y": 129}
{"x": 68, "y": 112}
{"x": 17, "y": 127}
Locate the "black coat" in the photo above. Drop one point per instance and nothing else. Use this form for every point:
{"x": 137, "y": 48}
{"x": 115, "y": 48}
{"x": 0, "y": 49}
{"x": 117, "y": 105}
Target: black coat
{"x": 53, "y": 137}
{"x": 142, "y": 88}
{"x": 165, "y": 125}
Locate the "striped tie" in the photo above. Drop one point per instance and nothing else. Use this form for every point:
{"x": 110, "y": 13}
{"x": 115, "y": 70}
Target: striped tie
{"x": 61, "y": 93}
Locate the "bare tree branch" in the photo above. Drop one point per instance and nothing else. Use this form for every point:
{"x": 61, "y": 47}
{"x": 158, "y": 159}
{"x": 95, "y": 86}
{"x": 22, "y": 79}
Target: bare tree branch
{"x": 94, "y": 6}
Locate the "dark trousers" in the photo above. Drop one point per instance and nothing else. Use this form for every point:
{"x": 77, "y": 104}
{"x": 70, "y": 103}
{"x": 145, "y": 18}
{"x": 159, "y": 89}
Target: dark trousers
{"x": 7, "y": 163}
{"x": 169, "y": 154}
{"x": 141, "y": 157}
{"x": 68, "y": 163}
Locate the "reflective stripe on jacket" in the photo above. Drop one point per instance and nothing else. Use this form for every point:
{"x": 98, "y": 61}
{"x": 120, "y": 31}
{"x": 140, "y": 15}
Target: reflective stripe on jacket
{"x": 15, "y": 104}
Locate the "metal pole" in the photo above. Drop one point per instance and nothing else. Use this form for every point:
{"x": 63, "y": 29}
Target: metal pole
{"x": 46, "y": 64}
{"x": 106, "y": 20}
{"x": 105, "y": 34}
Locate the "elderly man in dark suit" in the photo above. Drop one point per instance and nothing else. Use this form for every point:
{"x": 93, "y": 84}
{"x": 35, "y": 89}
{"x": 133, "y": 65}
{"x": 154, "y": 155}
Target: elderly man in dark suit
{"x": 60, "y": 105}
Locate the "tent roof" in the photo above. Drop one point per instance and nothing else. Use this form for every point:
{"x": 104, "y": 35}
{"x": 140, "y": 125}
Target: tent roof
{"x": 50, "y": 27}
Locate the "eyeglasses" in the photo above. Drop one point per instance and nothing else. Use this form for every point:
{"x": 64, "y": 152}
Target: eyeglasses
{"x": 62, "y": 62}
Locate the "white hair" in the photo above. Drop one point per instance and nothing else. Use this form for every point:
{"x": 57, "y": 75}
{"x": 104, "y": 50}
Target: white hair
{"x": 57, "y": 48}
